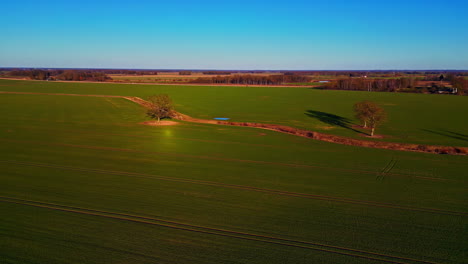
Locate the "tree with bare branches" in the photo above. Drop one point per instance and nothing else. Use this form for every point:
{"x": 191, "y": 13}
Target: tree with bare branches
{"x": 370, "y": 114}
{"x": 161, "y": 107}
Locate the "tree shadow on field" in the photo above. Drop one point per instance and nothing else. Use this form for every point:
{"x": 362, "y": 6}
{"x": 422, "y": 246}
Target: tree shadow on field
{"x": 449, "y": 134}
{"x": 331, "y": 119}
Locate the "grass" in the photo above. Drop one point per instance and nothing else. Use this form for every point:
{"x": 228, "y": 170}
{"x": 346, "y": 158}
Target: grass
{"x": 412, "y": 118}
{"x": 60, "y": 152}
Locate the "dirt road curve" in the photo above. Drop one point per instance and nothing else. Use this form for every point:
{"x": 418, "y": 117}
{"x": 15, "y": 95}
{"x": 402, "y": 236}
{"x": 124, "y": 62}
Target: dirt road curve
{"x": 291, "y": 130}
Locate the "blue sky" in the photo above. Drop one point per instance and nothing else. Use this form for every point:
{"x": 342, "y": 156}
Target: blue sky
{"x": 297, "y": 35}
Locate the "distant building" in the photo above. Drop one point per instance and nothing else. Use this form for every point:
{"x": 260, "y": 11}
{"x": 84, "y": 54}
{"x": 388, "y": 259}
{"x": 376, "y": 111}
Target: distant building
{"x": 449, "y": 90}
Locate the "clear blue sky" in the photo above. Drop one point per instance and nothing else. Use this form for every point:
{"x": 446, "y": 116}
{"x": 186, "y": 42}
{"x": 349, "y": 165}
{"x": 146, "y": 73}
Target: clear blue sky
{"x": 293, "y": 34}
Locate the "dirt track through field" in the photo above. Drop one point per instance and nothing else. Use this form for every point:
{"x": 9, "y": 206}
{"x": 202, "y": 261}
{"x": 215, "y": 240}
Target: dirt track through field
{"x": 240, "y": 187}
{"x": 291, "y": 130}
{"x": 217, "y": 231}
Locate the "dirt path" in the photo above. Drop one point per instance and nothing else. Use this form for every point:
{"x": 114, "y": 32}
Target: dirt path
{"x": 291, "y": 130}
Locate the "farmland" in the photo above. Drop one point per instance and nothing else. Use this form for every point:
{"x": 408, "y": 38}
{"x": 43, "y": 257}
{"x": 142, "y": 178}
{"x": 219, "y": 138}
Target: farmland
{"x": 412, "y": 118}
{"x": 84, "y": 182}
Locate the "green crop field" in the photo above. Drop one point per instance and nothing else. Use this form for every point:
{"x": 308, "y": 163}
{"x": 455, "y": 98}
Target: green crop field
{"x": 412, "y": 118}
{"x": 84, "y": 182}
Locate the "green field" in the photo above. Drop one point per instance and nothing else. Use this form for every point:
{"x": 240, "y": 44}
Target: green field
{"x": 412, "y": 118}
{"x": 84, "y": 182}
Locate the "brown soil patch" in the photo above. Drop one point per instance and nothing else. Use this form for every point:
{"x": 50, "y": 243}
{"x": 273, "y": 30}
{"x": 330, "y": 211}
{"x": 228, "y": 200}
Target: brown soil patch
{"x": 160, "y": 123}
{"x": 374, "y": 136}
{"x": 353, "y": 142}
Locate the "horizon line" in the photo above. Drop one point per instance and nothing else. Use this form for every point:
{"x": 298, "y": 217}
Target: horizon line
{"x": 208, "y": 69}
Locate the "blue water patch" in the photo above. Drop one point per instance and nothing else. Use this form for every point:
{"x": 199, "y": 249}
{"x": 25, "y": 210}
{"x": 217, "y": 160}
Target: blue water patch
{"x": 222, "y": 118}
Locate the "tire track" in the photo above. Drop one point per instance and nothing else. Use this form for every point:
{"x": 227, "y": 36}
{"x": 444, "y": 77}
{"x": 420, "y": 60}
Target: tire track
{"x": 356, "y": 253}
{"x": 192, "y": 139}
{"x": 386, "y": 170}
{"x": 219, "y": 159}
{"x": 242, "y": 187}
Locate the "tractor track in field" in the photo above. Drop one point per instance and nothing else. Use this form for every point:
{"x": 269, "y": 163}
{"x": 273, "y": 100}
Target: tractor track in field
{"x": 290, "y": 130}
{"x": 221, "y": 159}
{"x": 386, "y": 170}
{"x": 241, "y": 187}
{"x": 356, "y": 253}
{"x": 150, "y": 137}
{"x": 195, "y": 139}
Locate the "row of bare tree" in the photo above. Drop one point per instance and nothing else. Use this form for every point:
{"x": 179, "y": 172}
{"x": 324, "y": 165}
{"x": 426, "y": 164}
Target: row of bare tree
{"x": 249, "y": 79}
{"x": 404, "y": 84}
{"x": 73, "y": 75}
{"x": 65, "y": 75}
{"x": 461, "y": 83}
{"x": 378, "y": 85}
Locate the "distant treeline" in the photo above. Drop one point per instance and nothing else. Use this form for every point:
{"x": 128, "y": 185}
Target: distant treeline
{"x": 34, "y": 74}
{"x": 384, "y": 73}
{"x": 405, "y": 84}
{"x": 216, "y": 72}
{"x": 249, "y": 79}
{"x": 354, "y": 73}
{"x": 65, "y": 75}
{"x": 461, "y": 83}
{"x": 72, "y": 75}
{"x": 378, "y": 85}
{"x": 382, "y": 81}
{"x": 128, "y": 72}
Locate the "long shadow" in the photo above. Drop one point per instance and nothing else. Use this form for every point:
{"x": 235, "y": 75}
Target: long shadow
{"x": 332, "y": 119}
{"x": 317, "y": 88}
{"x": 449, "y": 134}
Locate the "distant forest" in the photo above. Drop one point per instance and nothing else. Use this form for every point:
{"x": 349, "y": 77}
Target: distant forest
{"x": 427, "y": 84}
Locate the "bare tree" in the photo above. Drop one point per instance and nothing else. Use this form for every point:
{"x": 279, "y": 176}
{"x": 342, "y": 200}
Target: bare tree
{"x": 360, "y": 111}
{"x": 161, "y": 107}
{"x": 370, "y": 114}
